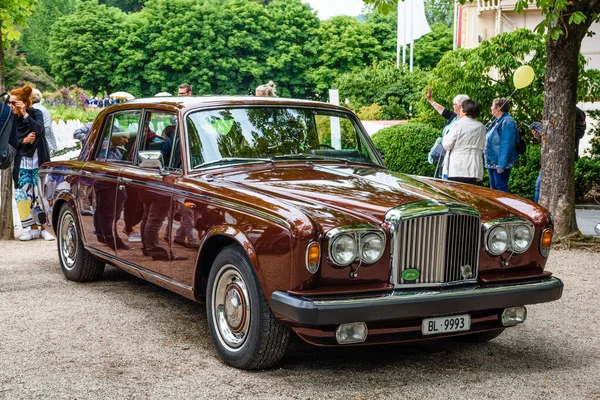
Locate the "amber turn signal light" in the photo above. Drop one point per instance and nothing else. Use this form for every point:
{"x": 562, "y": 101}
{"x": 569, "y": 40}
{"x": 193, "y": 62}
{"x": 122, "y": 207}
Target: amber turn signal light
{"x": 313, "y": 257}
{"x": 546, "y": 242}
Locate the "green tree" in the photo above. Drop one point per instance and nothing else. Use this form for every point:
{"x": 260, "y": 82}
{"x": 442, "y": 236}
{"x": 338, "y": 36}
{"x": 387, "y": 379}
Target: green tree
{"x": 486, "y": 72}
{"x": 440, "y": 11}
{"x": 430, "y": 48}
{"x": 83, "y": 46}
{"x": 394, "y": 89}
{"x": 345, "y": 45}
{"x": 35, "y": 41}
{"x": 13, "y": 14}
{"x": 124, "y": 5}
{"x": 19, "y": 72}
{"x": 291, "y": 47}
{"x": 565, "y": 25}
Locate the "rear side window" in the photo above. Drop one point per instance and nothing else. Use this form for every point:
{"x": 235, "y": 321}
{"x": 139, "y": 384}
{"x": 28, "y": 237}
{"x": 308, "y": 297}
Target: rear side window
{"x": 119, "y": 137}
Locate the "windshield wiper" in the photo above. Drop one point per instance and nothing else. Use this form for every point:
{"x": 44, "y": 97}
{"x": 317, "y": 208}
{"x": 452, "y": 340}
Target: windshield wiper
{"x": 231, "y": 160}
{"x": 308, "y": 157}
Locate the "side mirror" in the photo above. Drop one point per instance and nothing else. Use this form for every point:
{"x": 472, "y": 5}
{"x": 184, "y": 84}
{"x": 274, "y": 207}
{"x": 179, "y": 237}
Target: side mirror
{"x": 152, "y": 159}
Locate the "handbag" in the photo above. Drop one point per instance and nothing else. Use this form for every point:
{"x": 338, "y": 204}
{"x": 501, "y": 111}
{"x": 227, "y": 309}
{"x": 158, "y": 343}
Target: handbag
{"x": 437, "y": 152}
{"x": 7, "y": 151}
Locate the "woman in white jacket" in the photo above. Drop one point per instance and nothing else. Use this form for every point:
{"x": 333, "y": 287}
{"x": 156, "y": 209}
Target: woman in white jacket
{"x": 464, "y": 145}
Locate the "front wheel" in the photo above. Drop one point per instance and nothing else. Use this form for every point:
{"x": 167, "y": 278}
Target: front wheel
{"x": 241, "y": 324}
{"x": 76, "y": 262}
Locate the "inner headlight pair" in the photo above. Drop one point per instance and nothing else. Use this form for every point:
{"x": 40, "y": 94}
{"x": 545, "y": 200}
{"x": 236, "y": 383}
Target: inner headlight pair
{"x": 352, "y": 243}
{"x": 509, "y": 234}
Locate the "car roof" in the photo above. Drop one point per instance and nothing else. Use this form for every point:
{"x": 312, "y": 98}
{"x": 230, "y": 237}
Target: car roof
{"x": 211, "y": 101}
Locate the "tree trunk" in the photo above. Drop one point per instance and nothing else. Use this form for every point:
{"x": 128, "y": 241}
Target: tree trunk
{"x": 7, "y": 231}
{"x": 558, "y": 180}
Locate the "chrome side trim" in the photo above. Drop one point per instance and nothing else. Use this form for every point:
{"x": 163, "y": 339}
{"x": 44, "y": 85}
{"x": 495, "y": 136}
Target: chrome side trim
{"x": 128, "y": 266}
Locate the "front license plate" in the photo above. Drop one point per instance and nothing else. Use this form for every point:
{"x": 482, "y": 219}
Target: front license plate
{"x": 455, "y": 323}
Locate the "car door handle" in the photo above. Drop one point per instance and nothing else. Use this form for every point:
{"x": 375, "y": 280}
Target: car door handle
{"x": 86, "y": 173}
{"x": 121, "y": 187}
{"x": 124, "y": 180}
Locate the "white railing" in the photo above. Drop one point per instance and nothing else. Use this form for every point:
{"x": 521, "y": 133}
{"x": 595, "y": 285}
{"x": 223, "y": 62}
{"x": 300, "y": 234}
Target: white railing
{"x": 487, "y": 5}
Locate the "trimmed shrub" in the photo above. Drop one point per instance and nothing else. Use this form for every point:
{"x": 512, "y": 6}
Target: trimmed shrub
{"x": 587, "y": 176}
{"x": 406, "y": 146}
{"x": 525, "y": 172}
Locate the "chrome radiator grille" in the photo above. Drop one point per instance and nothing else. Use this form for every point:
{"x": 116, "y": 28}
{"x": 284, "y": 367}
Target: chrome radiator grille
{"x": 442, "y": 248}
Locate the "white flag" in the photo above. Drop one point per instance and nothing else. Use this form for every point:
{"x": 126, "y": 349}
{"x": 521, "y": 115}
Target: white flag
{"x": 412, "y": 23}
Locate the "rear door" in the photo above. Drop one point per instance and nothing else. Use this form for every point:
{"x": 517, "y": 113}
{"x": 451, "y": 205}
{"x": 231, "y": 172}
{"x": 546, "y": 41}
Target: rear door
{"x": 99, "y": 200}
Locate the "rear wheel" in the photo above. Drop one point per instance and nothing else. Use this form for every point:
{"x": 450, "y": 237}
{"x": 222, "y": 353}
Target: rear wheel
{"x": 76, "y": 262}
{"x": 481, "y": 337}
{"x": 242, "y": 326}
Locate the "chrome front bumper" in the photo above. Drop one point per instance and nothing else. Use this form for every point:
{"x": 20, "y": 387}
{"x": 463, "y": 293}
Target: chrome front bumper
{"x": 412, "y": 303}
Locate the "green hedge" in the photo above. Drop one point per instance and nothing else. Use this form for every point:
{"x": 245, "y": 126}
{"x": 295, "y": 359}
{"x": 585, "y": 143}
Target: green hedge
{"x": 525, "y": 172}
{"x": 405, "y": 147}
{"x": 587, "y": 176}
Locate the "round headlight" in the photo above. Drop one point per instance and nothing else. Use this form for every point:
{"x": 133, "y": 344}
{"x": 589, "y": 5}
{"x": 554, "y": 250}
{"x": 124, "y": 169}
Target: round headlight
{"x": 522, "y": 238}
{"x": 343, "y": 250}
{"x": 371, "y": 248}
{"x": 498, "y": 240}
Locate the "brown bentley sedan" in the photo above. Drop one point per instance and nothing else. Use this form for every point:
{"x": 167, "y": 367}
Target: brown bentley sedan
{"x": 281, "y": 217}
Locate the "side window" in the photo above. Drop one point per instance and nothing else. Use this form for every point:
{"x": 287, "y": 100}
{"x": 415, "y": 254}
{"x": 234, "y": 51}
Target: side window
{"x": 119, "y": 137}
{"x": 160, "y": 134}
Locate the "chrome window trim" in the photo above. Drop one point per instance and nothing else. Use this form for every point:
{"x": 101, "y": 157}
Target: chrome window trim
{"x": 509, "y": 224}
{"x": 356, "y": 232}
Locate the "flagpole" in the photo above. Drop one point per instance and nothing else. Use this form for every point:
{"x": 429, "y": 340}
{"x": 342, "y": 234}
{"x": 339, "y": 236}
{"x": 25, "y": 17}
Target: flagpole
{"x": 409, "y": 15}
{"x": 398, "y": 39}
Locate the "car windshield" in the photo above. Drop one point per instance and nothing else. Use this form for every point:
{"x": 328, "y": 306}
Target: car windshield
{"x": 256, "y": 134}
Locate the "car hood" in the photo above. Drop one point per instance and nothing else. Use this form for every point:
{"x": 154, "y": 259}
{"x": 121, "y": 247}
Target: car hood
{"x": 332, "y": 194}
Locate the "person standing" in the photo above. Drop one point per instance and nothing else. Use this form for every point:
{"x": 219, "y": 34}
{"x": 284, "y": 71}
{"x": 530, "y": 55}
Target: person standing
{"x": 36, "y": 98}
{"x": 499, "y": 153}
{"x": 435, "y": 157}
{"x": 464, "y": 145}
{"x": 32, "y": 151}
{"x": 536, "y": 131}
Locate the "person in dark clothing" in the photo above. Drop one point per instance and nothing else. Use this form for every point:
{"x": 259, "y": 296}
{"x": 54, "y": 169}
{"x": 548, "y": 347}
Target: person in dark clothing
{"x": 579, "y": 129}
{"x": 32, "y": 151}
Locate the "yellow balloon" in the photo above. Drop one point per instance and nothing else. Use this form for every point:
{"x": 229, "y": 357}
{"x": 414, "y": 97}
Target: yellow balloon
{"x": 523, "y": 76}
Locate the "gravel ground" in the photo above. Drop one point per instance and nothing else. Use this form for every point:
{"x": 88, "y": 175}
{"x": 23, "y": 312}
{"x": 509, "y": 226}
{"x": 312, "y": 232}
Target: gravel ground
{"x": 121, "y": 337}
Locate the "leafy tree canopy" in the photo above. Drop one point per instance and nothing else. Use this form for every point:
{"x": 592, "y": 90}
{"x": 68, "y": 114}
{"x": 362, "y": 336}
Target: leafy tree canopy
{"x": 35, "y": 41}
{"x": 83, "y": 46}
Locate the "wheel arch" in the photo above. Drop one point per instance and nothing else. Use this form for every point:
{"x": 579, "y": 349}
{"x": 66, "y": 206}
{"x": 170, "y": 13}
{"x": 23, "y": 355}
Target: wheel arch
{"x": 217, "y": 239}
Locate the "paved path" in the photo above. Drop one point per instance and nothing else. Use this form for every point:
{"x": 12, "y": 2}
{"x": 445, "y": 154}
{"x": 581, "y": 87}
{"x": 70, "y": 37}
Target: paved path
{"x": 123, "y": 338}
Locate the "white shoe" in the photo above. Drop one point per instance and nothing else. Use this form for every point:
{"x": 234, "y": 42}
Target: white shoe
{"x": 30, "y": 234}
{"x": 47, "y": 236}
{"x": 134, "y": 237}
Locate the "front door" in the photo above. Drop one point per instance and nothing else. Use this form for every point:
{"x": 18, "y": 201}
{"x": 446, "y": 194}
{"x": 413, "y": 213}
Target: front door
{"x": 148, "y": 212}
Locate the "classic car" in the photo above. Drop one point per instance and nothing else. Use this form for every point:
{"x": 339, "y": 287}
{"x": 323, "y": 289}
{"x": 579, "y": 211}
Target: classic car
{"x": 281, "y": 217}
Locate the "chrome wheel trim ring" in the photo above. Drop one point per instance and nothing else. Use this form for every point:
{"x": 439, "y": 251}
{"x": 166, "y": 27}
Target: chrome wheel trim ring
{"x": 230, "y": 307}
{"x": 68, "y": 241}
